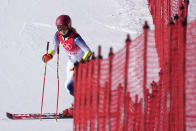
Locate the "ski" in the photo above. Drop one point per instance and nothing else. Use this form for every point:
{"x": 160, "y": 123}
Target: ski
{"x": 32, "y": 116}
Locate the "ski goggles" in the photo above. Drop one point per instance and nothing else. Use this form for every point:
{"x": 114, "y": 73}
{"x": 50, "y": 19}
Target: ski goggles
{"x": 62, "y": 27}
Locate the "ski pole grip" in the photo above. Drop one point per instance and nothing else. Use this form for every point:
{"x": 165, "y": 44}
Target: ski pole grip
{"x": 58, "y": 49}
{"x": 47, "y": 48}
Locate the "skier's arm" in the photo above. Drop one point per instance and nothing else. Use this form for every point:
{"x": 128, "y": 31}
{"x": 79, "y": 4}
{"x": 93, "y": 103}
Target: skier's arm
{"x": 81, "y": 43}
{"x": 56, "y": 43}
{"x": 48, "y": 56}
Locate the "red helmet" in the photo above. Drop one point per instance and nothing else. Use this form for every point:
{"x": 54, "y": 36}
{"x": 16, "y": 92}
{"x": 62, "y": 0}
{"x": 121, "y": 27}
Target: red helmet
{"x": 63, "y": 20}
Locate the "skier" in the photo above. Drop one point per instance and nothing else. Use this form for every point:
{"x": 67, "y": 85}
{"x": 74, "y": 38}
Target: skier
{"x": 75, "y": 48}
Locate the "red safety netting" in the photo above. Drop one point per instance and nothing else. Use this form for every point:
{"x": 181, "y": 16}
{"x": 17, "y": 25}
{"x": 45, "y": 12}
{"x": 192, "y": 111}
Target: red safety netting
{"x": 190, "y": 77}
{"x": 103, "y": 103}
{"x": 109, "y": 91}
{"x": 136, "y": 75}
{"x": 148, "y": 85}
{"x": 176, "y": 59}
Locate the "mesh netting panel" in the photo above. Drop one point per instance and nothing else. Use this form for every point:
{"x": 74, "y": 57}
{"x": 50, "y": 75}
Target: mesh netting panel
{"x": 191, "y": 77}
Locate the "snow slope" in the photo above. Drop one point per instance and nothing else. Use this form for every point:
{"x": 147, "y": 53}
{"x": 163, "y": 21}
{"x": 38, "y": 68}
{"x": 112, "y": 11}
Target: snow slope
{"x": 26, "y": 26}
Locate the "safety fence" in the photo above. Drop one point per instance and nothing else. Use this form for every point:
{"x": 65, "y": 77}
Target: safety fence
{"x": 109, "y": 93}
{"x": 149, "y": 85}
{"x": 170, "y": 19}
{"x": 175, "y": 43}
{"x": 190, "y": 76}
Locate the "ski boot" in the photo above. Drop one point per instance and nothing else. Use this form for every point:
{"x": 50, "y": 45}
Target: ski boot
{"x": 68, "y": 112}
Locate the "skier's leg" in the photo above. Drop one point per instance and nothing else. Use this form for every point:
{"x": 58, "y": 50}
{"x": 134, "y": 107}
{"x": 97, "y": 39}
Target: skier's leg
{"x": 70, "y": 87}
{"x": 69, "y": 79}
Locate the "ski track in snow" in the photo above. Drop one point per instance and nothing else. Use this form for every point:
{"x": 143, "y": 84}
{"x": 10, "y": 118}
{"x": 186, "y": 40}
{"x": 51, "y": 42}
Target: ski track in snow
{"x": 22, "y": 29}
{"x": 133, "y": 15}
{"x": 112, "y": 27}
{"x": 43, "y": 25}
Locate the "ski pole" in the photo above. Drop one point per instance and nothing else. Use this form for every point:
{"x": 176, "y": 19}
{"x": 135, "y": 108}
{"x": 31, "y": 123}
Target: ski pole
{"x": 58, "y": 81}
{"x": 44, "y": 82}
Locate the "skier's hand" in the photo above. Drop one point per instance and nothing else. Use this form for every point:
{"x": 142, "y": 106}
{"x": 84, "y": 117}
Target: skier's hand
{"x": 86, "y": 56}
{"x": 71, "y": 69}
{"x": 47, "y": 57}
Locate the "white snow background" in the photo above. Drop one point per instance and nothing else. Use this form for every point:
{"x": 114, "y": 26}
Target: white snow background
{"x": 25, "y": 28}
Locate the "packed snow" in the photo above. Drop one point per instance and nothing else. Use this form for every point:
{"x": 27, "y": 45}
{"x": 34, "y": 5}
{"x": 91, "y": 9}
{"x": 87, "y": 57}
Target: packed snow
{"x": 27, "y": 25}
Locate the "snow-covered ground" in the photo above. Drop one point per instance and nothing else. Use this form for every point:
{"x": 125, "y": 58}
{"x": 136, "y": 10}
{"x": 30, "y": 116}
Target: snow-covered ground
{"x": 27, "y": 25}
